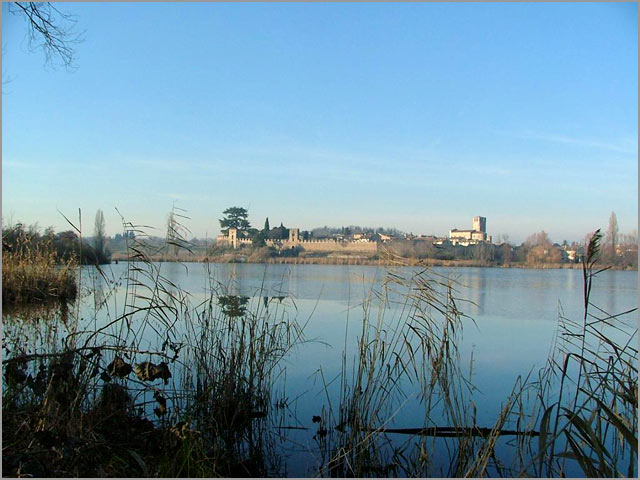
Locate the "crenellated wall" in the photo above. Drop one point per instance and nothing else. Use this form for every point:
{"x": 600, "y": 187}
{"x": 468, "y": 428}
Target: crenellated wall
{"x": 360, "y": 247}
{"x": 320, "y": 245}
{"x": 329, "y": 245}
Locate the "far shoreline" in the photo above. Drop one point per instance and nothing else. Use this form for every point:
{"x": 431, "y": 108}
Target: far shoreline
{"x": 355, "y": 260}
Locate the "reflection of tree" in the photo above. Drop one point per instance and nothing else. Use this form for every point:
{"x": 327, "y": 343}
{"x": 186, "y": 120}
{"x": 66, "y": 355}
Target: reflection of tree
{"x": 233, "y": 305}
{"x": 266, "y": 300}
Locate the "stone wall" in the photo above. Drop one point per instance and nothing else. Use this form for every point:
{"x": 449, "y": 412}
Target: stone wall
{"x": 333, "y": 246}
{"x": 323, "y": 245}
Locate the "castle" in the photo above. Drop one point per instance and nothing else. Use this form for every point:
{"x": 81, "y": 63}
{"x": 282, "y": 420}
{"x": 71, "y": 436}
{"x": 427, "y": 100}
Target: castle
{"x": 359, "y": 243}
{"x": 325, "y": 245}
{"x": 477, "y": 234}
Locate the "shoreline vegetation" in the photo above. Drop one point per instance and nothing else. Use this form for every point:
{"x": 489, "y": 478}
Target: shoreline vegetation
{"x": 42, "y": 267}
{"x": 355, "y": 245}
{"x": 86, "y": 403}
{"x": 349, "y": 260}
{"x": 33, "y": 275}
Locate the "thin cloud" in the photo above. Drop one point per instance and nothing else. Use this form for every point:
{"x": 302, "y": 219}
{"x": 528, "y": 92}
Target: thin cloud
{"x": 623, "y": 146}
{"x": 183, "y": 196}
{"x": 13, "y": 164}
{"x": 159, "y": 164}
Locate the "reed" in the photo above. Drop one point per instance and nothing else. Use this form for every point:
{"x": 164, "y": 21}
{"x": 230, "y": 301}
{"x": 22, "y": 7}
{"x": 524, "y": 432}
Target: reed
{"x": 171, "y": 386}
{"x": 32, "y": 273}
{"x": 408, "y": 356}
{"x": 588, "y": 392}
{"x": 85, "y": 402}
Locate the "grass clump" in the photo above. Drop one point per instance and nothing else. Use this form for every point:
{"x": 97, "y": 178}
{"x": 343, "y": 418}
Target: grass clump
{"x": 408, "y": 356}
{"x": 33, "y": 273}
{"x": 588, "y": 392}
{"x": 141, "y": 395}
{"x": 132, "y": 396}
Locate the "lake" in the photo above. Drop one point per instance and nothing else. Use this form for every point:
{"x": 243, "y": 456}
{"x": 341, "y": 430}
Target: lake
{"x": 510, "y": 322}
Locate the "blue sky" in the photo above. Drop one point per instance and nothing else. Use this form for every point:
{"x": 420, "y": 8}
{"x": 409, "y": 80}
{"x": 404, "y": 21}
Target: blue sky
{"x": 414, "y": 116}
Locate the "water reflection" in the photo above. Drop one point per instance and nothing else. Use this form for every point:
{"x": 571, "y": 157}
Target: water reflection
{"x": 266, "y": 300}
{"x": 516, "y": 312}
{"x": 233, "y": 305}
{"x": 475, "y": 291}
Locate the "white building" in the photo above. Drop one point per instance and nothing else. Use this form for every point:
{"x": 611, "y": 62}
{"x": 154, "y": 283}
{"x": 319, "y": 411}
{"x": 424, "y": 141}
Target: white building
{"x": 470, "y": 237}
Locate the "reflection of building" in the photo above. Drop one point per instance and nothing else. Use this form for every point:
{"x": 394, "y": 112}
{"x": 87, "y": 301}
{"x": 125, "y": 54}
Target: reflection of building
{"x": 468, "y": 237}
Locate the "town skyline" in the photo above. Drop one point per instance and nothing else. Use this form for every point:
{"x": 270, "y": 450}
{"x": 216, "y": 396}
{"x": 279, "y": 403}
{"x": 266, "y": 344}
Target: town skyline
{"x": 410, "y": 116}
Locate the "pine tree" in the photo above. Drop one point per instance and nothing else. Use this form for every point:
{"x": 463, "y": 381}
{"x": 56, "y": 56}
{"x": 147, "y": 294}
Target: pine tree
{"x": 235, "y": 217}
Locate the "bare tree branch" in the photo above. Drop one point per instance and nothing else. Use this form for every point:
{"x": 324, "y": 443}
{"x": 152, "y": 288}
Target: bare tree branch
{"x": 49, "y": 29}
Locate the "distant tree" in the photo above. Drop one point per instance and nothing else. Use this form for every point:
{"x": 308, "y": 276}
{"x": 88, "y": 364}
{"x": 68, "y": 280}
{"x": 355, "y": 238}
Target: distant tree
{"x": 67, "y": 245}
{"x": 279, "y": 233}
{"x": 259, "y": 239}
{"x": 266, "y": 225}
{"x": 611, "y": 240}
{"x": 235, "y": 217}
{"x": 541, "y": 250}
{"x": 255, "y": 235}
{"x": 99, "y": 238}
{"x": 483, "y": 252}
{"x": 629, "y": 238}
{"x": 49, "y": 233}
{"x": 507, "y": 252}
{"x": 629, "y": 246}
{"x": 538, "y": 239}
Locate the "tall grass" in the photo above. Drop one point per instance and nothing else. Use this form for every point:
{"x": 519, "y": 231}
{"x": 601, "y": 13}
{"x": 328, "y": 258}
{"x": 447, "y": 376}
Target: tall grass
{"x": 580, "y": 415}
{"x": 32, "y": 273}
{"x": 86, "y": 401}
{"x": 588, "y": 392}
{"x": 407, "y": 351}
{"x": 170, "y": 383}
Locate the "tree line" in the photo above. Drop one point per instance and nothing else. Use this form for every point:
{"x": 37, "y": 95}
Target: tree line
{"x": 237, "y": 217}
{"x": 66, "y": 245}
{"x": 537, "y": 249}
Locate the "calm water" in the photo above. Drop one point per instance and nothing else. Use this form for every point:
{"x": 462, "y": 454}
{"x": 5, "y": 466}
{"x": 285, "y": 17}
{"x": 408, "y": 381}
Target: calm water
{"x": 515, "y": 312}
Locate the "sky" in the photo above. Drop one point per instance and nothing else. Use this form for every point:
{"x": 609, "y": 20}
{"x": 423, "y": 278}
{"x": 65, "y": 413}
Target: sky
{"x": 412, "y": 116}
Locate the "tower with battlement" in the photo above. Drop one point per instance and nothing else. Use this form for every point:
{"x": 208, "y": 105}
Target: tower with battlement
{"x": 480, "y": 224}
{"x": 233, "y": 237}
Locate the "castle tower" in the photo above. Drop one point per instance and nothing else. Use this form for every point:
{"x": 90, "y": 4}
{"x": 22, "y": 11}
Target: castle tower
{"x": 480, "y": 224}
{"x": 233, "y": 237}
{"x": 294, "y": 235}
